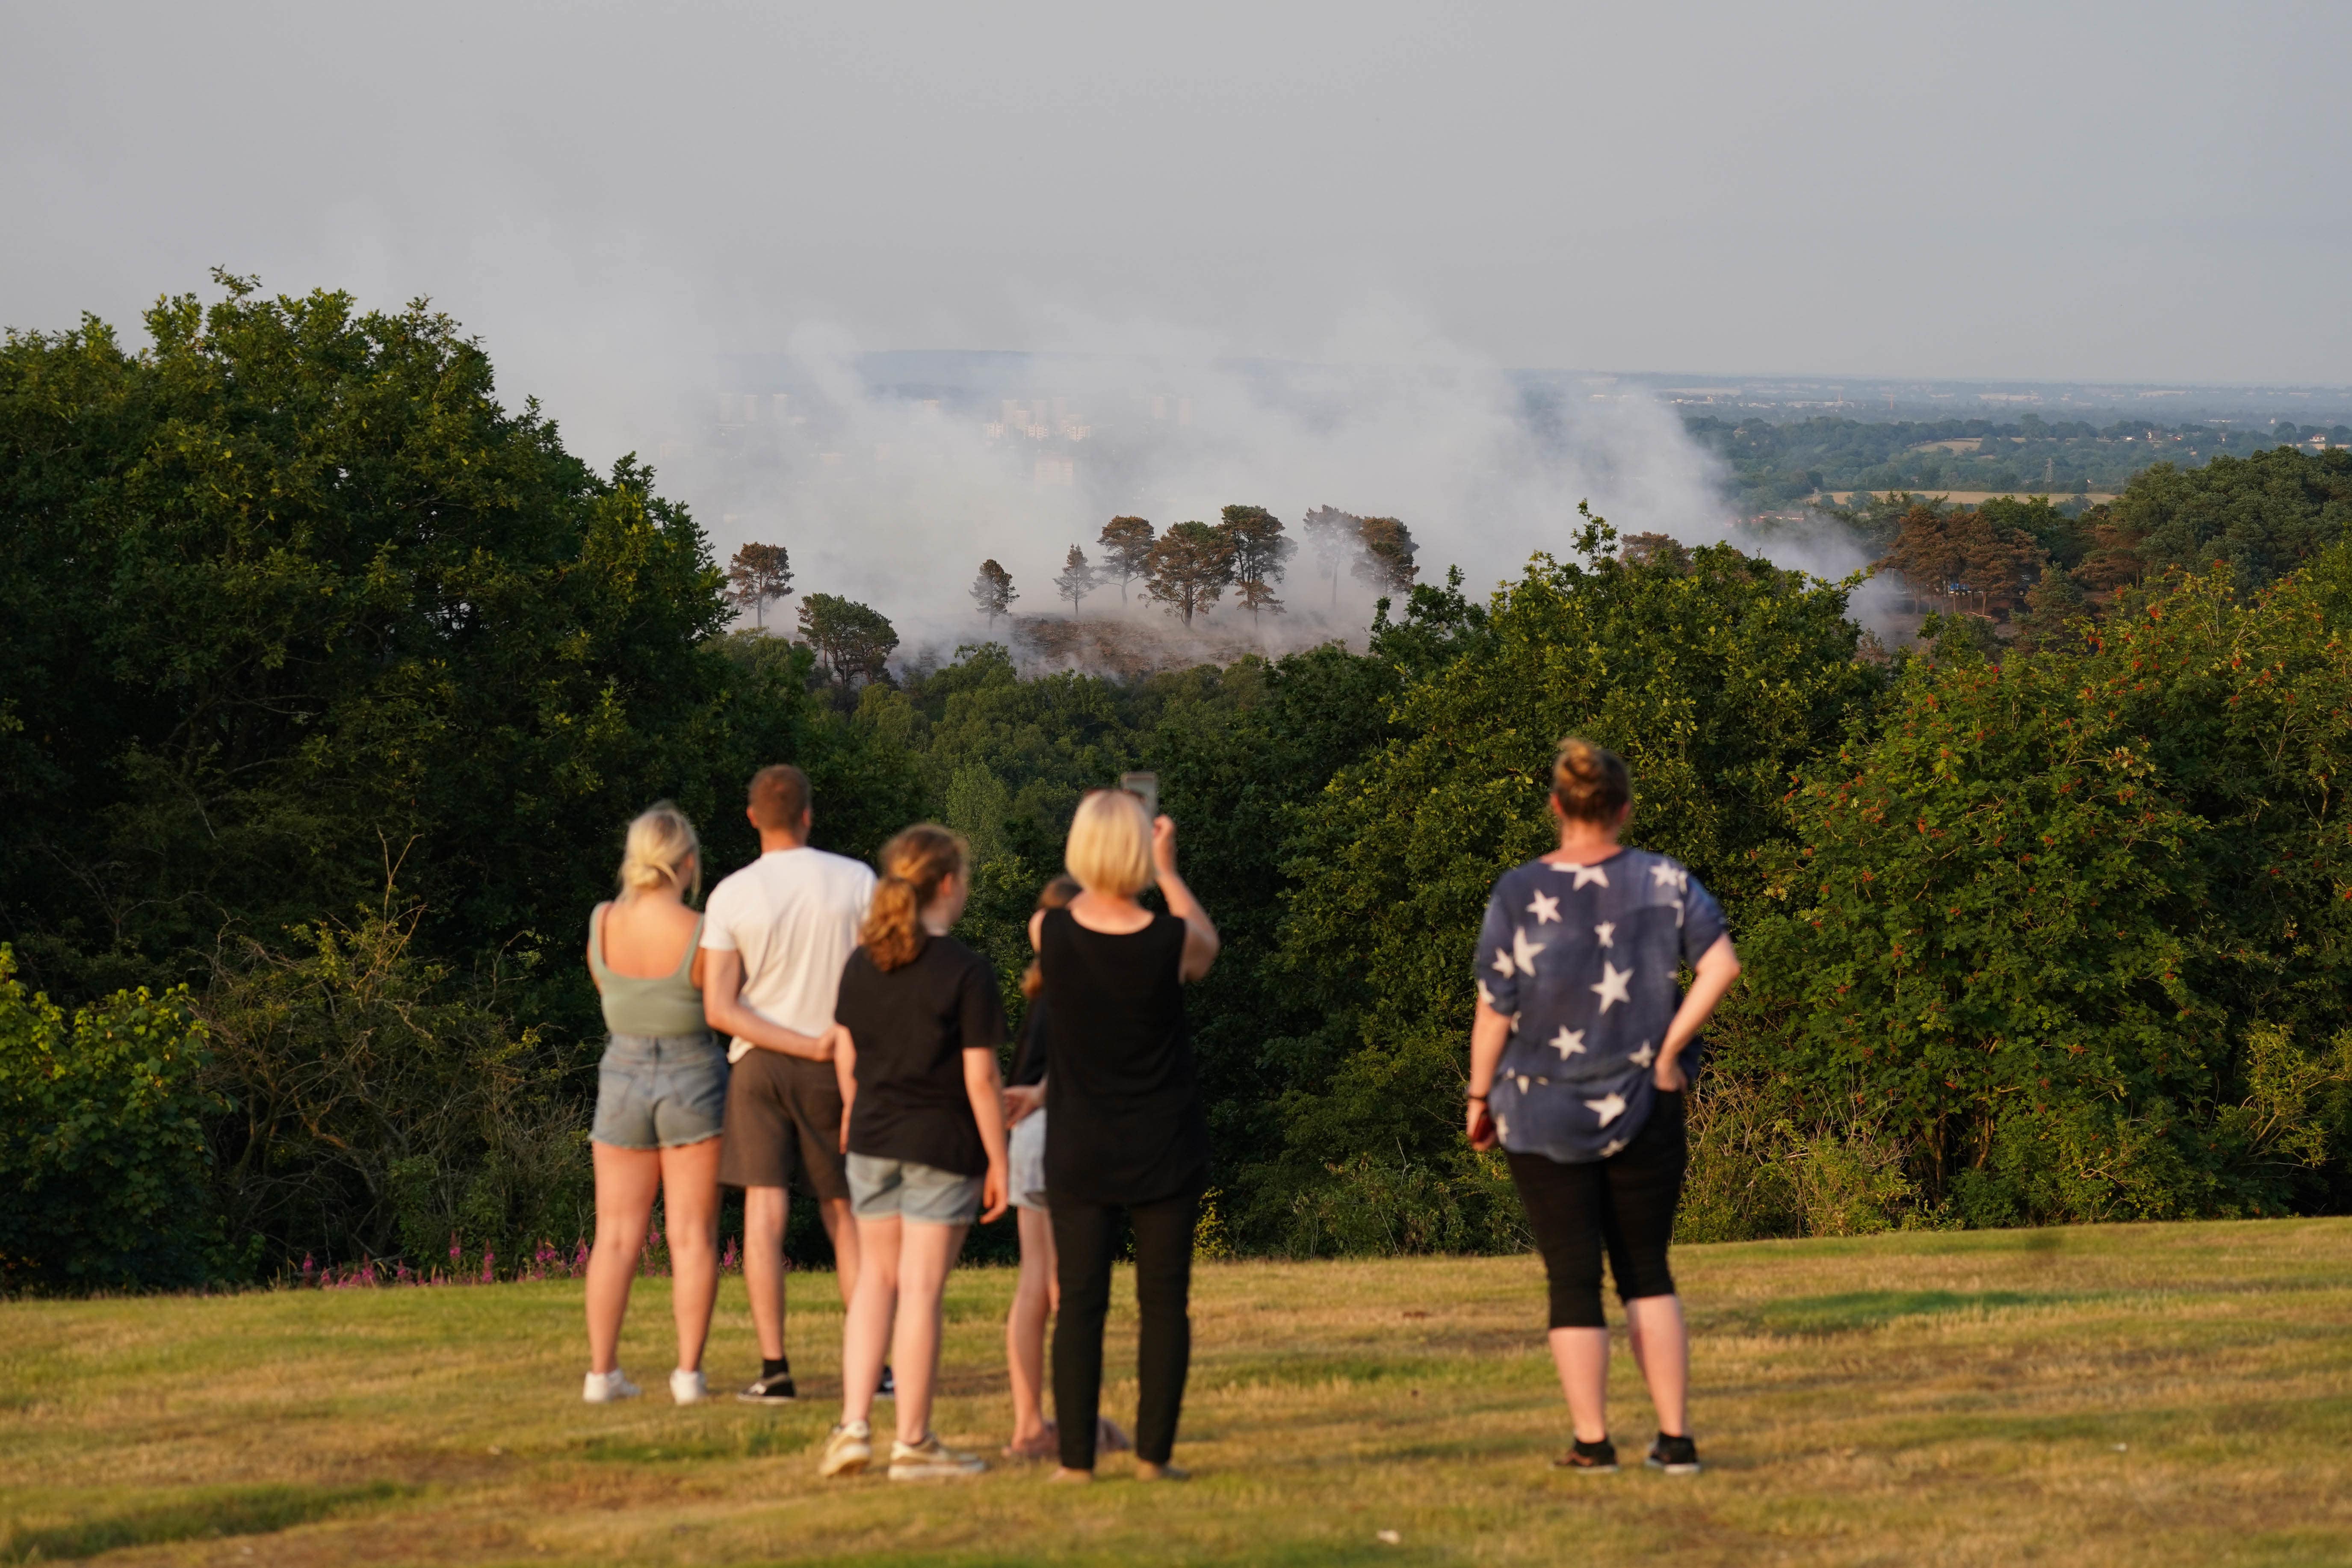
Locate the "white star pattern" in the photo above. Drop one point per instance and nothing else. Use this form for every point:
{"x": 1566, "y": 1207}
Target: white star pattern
{"x": 1514, "y": 1022}
{"x": 1664, "y": 876}
{"x": 1607, "y": 932}
{"x": 1614, "y": 1147}
{"x": 1525, "y": 951}
{"x": 1545, "y": 907}
{"x": 1485, "y": 995}
{"x": 1584, "y": 874}
{"x": 1678, "y": 914}
{"x": 1502, "y": 963}
{"x": 1645, "y": 1055}
{"x": 1612, "y": 985}
{"x": 1523, "y": 1083}
{"x": 1609, "y": 1106}
{"x": 1502, "y": 1128}
{"x": 1569, "y": 1042}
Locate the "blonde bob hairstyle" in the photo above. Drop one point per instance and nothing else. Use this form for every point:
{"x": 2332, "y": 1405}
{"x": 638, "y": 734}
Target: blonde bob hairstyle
{"x": 1109, "y": 850}
{"x": 661, "y": 841}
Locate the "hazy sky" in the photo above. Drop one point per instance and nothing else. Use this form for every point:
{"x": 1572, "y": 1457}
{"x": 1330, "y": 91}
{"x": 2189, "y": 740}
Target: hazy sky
{"x": 2135, "y": 192}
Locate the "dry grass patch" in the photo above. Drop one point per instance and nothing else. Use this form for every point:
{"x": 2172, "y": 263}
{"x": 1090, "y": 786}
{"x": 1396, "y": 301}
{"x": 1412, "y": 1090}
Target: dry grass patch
{"x": 2106, "y": 1395}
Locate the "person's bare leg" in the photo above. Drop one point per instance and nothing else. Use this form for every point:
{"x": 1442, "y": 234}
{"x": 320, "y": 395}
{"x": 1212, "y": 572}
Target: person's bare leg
{"x": 627, "y": 1179}
{"x": 1582, "y": 1357}
{"x": 689, "y": 1176}
{"x": 1662, "y": 1350}
{"x": 866, "y": 1324}
{"x": 926, "y": 1253}
{"x": 841, "y": 1229}
{"x": 1024, "y": 1326}
{"x": 765, "y": 1210}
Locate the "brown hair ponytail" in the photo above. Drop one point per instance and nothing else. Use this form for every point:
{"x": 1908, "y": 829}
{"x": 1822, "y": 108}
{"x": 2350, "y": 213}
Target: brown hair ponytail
{"x": 1056, "y": 895}
{"x": 913, "y": 866}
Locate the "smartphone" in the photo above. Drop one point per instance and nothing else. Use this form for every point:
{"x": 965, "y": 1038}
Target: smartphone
{"x": 1147, "y": 788}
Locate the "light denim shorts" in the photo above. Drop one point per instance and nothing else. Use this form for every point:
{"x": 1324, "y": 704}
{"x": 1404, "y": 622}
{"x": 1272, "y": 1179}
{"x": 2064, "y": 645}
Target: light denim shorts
{"x": 1025, "y": 1153}
{"x": 901, "y": 1189}
{"x": 660, "y": 1092}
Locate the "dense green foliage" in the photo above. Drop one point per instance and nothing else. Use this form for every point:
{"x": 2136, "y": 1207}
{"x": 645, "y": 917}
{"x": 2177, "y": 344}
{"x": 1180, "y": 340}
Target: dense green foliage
{"x": 101, "y": 1142}
{"x": 334, "y": 683}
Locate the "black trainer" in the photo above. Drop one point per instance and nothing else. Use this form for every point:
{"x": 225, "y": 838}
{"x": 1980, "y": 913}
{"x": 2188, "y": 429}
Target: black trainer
{"x": 1593, "y": 1458}
{"x": 889, "y": 1389}
{"x": 1675, "y": 1456}
{"x": 776, "y": 1389}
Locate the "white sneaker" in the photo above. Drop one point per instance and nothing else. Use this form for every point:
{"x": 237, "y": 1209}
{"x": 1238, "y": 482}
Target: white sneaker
{"x": 603, "y": 1387}
{"x": 931, "y": 1460}
{"x": 848, "y": 1449}
{"x": 689, "y": 1387}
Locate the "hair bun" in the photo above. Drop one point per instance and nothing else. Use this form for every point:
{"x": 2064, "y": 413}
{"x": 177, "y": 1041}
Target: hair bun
{"x": 1590, "y": 782}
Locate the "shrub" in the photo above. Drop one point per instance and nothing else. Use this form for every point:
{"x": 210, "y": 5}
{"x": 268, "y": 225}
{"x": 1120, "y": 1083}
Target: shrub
{"x": 380, "y": 1104}
{"x": 102, "y": 1155}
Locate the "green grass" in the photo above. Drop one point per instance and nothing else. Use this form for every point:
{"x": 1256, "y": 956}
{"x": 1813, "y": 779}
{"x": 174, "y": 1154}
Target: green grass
{"x": 2105, "y": 1395}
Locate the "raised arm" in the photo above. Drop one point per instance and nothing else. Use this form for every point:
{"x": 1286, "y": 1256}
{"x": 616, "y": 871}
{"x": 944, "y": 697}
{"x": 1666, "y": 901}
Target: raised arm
{"x": 1718, "y": 967}
{"x": 1200, "y": 942}
{"x": 724, "y": 1010}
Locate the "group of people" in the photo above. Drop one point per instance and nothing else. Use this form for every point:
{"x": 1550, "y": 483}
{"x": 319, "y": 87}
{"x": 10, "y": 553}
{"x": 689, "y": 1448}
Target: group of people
{"x": 863, "y": 1067}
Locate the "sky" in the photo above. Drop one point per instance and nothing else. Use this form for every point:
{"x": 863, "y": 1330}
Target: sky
{"x": 2136, "y": 192}
{"x": 610, "y": 196}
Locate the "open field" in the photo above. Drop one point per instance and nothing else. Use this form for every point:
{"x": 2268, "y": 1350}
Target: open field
{"x": 2108, "y": 1395}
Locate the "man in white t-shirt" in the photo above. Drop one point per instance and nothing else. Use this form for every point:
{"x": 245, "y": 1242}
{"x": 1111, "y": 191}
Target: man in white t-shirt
{"x": 777, "y": 934}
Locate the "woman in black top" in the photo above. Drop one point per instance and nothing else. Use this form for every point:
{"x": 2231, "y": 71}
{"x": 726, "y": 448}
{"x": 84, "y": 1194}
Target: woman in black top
{"x": 1125, "y": 1125}
{"x": 924, "y": 1139}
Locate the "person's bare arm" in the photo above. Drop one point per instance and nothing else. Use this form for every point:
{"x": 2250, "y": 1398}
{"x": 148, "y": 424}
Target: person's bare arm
{"x": 1023, "y": 1100}
{"x": 1200, "y": 941}
{"x": 1718, "y": 967}
{"x": 985, "y": 1088}
{"x": 1489, "y": 1033}
{"x": 723, "y": 1010}
{"x": 845, "y": 1076}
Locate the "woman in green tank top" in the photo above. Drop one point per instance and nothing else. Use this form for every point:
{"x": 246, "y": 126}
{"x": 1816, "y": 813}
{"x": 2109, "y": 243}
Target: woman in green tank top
{"x": 661, "y": 1096}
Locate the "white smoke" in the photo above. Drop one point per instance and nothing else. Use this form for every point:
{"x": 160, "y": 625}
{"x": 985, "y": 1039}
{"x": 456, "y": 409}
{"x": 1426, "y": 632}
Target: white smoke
{"x": 891, "y": 495}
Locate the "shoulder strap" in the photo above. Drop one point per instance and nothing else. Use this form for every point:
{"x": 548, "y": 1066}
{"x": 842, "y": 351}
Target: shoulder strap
{"x": 597, "y": 936}
{"x": 693, "y": 945}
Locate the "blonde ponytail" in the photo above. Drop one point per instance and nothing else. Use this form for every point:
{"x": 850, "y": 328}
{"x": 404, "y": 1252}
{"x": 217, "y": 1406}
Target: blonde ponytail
{"x": 661, "y": 841}
{"x": 913, "y": 866}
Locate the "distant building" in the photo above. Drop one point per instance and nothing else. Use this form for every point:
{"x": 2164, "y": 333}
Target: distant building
{"x": 1059, "y": 473}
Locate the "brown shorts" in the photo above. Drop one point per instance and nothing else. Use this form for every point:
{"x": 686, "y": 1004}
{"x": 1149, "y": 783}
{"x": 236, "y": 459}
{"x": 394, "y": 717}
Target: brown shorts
{"x": 784, "y": 1121}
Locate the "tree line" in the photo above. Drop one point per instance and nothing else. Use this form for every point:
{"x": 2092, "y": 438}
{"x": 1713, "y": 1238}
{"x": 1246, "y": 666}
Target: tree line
{"x": 334, "y": 682}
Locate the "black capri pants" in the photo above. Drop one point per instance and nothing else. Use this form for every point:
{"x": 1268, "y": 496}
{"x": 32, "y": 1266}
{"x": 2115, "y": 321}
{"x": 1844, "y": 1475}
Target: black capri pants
{"x": 1624, "y": 1205}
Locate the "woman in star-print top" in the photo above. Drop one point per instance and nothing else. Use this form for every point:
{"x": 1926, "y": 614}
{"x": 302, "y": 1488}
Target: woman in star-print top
{"x": 1579, "y": 1057}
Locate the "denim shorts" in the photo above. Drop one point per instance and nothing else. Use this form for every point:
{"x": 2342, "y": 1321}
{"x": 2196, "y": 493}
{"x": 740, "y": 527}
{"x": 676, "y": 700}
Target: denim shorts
{"x": 1026, "y": 1153}
{"x": 660, "y": 1092}
{"x": 901, "y": 1189}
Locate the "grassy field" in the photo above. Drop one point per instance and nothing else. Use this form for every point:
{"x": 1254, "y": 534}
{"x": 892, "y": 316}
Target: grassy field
{"x": 2122, "y": 1394}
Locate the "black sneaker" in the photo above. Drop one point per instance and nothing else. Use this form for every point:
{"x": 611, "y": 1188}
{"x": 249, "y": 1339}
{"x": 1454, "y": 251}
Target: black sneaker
{"x": 776, "y": 1389}
{"x": 889, "y": 1389}
{"x": 1593, "y": 1458}
{"x": 1675, "y": 1456}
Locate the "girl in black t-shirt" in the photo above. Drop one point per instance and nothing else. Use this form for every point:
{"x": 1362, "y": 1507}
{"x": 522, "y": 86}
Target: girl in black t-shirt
{"x": 924, "y": 1139}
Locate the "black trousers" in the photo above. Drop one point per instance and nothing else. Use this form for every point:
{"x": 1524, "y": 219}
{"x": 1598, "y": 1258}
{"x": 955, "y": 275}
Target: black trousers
{"x": 1084, "y": 1237}
{"x": 1624, "y": 1205}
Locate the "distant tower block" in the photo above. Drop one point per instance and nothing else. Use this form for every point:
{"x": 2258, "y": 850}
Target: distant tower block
{"x": 1160, "y": 408}
{"x": 1183, "y": 411}
{"x": 1060, "y": 473}
{"x": 779, "y": 406}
